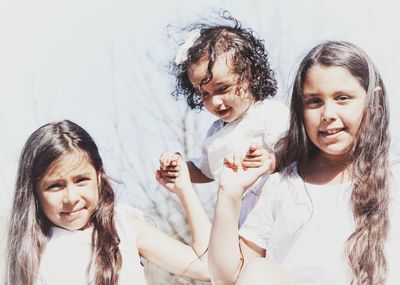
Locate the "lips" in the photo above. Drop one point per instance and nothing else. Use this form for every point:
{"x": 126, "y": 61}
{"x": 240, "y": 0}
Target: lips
{"x": 72, "y": 212}
{"x": 223, "y": 112}
{"x": 331, "y": 135}
{"x": 331, "y": 131}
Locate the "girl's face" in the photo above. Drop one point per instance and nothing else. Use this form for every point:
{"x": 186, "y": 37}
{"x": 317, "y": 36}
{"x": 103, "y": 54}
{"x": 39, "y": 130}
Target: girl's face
{"x": 223, "y": 96}
{"x": 333, "y": 108}
{"x": 68, "y": 192}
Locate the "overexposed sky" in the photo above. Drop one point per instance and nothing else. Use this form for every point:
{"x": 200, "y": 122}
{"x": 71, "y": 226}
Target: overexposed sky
{"x": 103, "y": 64}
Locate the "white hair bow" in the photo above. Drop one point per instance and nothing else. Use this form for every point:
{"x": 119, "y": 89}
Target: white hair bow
{"x": 182, "y": 53}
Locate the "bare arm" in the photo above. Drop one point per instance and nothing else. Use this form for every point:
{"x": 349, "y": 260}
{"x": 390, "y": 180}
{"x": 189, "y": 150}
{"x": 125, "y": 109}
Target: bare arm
{"x": 168, "y": 253}
{"x": 226, "y": 253}
{"x": 196, "y": 176}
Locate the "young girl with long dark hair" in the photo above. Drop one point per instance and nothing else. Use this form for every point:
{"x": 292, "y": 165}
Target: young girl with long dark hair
{"x": 65, "y": 228}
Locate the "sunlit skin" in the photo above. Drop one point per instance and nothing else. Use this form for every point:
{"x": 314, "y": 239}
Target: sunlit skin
{"x": 224, "y": 96}
{"x": 68, "y": 192}
{"x": 333, "y": 108}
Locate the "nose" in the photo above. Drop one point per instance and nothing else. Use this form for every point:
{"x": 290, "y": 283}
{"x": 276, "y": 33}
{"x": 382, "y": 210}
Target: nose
{"x": 71, "y": 195}
{"x": 328, "y": 112}
{"x": 216, "y": 100}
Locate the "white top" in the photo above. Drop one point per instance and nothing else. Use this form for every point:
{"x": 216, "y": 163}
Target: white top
{"x": 67, "y": 254}
{"x": 263, "y": 124}
{"x": 304, "y": 228}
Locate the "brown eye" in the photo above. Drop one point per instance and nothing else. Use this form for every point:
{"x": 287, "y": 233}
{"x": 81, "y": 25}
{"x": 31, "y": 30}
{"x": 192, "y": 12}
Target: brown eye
{"x": 222, "y": 89}
{"x": 82, "y": 179}
{"x": 313, "y": 101}
{"x": 54, "y": 186}
{"x": 343, "y": 98}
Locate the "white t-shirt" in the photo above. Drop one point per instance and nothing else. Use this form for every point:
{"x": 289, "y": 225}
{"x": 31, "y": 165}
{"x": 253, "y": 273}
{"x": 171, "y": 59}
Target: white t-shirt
{"x": 304, "y": 228}
{"x": 67, "y": 254}
{"x": 263, "y": 124}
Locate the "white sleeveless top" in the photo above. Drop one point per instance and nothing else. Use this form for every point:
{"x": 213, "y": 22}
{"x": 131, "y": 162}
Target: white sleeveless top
{"x": 67, "y": 254}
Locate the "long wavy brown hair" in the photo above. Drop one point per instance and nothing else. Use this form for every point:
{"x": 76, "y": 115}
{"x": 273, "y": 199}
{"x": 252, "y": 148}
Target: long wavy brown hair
{"x": 29, "y": 228}
{"x": 368, "y": 160}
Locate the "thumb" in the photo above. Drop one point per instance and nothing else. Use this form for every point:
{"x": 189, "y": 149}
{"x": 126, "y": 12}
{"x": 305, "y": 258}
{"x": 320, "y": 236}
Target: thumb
{"x": 159, "y": 177}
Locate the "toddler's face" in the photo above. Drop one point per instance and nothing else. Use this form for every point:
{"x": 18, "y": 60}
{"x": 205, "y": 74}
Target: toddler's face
{"x": 224, "y": 96}
{"x": 68, "y": 192}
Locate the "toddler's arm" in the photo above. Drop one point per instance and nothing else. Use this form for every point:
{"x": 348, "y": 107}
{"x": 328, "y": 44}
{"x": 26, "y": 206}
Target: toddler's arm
{"x": 196, "y": 176}
{"x": 170, "y": 171}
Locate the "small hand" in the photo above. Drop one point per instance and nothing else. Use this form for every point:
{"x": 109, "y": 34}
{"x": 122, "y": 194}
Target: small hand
{"x": 258, "y": 156}
{"x": 236, "y": 179}
{"x": 173, "y": 173}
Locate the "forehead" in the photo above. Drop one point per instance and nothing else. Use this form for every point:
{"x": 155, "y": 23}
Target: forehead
{"x": 222, "y": 69}
{"x": 72, "y": 163}
{"x": 329, "y": 79}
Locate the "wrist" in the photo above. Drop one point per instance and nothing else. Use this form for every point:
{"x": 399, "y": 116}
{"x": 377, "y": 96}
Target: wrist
{"x": 230, "y": 192}
{"x": 183, "y": 191}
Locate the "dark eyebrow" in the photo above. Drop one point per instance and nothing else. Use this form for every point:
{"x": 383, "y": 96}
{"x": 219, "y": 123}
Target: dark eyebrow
{"x": 310, "y": 94}
{"x": 85, "y": 174}
{"x": 350, "y": 92}
{"x": 219, "y": 83}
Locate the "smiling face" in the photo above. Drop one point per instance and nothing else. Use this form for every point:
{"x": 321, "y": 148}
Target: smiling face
{"x": 224, "y": 96}
{"x": 68, "y": 192}
{"x": 333, "y": 108}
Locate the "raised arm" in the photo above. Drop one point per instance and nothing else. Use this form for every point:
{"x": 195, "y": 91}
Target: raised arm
{"x": 226, "y": 252}
{"x": 168, "y": 253}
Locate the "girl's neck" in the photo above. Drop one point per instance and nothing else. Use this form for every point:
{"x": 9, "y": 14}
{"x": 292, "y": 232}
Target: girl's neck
{"x": 325, "y": 169}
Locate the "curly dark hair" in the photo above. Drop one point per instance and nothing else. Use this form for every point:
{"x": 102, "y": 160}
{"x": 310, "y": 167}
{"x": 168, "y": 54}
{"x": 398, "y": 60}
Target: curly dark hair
{"x": 249, "y": 59}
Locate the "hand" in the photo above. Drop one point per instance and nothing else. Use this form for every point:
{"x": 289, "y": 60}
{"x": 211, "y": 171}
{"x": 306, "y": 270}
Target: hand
{"x": 257, "y": 156}
{"x": 235, "y": 179}
{"x": 173, "y": 173}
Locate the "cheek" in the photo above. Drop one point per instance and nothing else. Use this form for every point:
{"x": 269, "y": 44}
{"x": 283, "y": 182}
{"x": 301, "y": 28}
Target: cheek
{"x": 207, "y": 104}
{"x": 311, "y": 120}
{"x": 49, "y": 203}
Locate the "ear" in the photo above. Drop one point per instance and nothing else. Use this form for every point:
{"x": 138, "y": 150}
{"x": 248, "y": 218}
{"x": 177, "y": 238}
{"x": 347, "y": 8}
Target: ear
{"x": 98, "y": 178}
{"x": 377, "y": 89}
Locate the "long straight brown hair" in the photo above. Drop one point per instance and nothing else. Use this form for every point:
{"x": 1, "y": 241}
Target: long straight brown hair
{"x": 368, "y": 160}
{"x": 29, "y": 228}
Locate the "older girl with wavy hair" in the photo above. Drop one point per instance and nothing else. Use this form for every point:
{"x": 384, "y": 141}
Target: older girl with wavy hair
{"x": 332, "y": 215}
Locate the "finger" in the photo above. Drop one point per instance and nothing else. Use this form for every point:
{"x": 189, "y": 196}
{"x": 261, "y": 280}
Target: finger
{"x": 253, "y": 148}
{"x": 160, "y": 179}
{"x": 169, "y": 174}
{"x": 169, "y": 164}
{"x": 172, "y": 174}
{"x": 164, "y": 156}
{"x": 228, "y": 160}
{"x": 253, "y": 158}
{"x": 251, "y": 164}
{"x": 170, "y": 180}
{"x": 167, "y": 158}
{"x": 237, "y": 161}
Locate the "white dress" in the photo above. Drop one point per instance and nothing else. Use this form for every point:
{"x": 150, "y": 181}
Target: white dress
{"x": 263, "y": 124}
{"x": 304, "y": 227}
{"x": 67, "y": 254}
